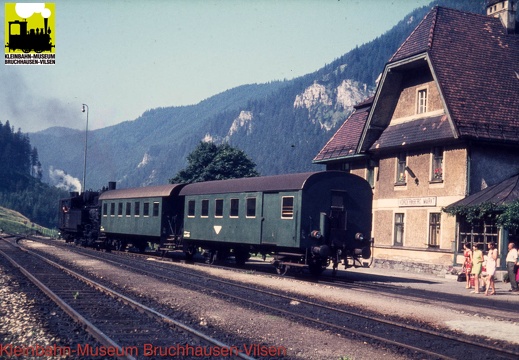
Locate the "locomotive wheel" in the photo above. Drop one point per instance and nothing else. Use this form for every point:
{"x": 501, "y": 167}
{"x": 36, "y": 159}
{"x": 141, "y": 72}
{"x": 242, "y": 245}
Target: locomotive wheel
{"x": 26, "y": 50}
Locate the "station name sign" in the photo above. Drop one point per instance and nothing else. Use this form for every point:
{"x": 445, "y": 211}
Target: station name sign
{"x": 419, "y": 201}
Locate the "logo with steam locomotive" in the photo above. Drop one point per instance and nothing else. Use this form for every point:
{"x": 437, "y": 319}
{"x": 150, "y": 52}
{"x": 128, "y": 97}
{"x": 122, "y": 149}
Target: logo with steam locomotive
{"x": 29, "y": 33}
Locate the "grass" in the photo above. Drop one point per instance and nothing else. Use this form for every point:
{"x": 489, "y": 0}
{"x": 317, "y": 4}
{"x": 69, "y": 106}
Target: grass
{"x": 12, "y": 222}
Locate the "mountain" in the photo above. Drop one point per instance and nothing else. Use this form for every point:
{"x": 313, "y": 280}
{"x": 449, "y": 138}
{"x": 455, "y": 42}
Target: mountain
{"x": 281, "y": 125}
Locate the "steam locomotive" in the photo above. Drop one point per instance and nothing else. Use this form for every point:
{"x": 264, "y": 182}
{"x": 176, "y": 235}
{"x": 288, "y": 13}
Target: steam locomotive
{"x": 303, "y": 221}
{"x": 20, "y": 38}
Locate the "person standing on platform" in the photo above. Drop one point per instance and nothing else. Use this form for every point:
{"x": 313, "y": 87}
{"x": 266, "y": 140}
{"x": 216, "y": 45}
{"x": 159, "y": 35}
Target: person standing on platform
{"x": 477, "y": 263}
{"x": 491, "y": 269}
{"x": 511, "y": 261}
{"x": 467, "y": 265}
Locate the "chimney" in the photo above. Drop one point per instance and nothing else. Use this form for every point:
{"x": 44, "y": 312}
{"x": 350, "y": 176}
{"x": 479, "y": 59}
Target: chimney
{"x": 505, "y": 10}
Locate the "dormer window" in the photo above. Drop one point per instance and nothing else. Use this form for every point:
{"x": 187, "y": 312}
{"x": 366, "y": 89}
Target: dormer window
{"x": 421, "y": 106}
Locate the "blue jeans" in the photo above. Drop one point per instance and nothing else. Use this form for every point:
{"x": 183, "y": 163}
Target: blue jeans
{"x": 511, "y": 274}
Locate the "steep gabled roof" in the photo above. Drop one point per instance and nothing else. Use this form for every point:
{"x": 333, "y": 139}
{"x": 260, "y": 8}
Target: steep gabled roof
{"x": 475, "y": 64}
{"x": 477, "y": 68}
{"x": 345, "y": 141}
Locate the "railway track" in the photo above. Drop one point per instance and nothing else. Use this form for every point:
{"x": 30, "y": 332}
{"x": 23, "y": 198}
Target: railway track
{"x": 124, "y": 327}
{"x": 415, "y": 339}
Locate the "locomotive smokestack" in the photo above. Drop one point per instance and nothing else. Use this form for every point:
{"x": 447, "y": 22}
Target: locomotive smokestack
{"x": 111, "y": 185}
{"x": 45, "y": 22}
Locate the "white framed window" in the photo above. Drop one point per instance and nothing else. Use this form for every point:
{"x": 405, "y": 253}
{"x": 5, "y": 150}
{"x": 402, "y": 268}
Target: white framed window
{"x": 421, "y": 104}
{"x": 287, "y": 207}
{"x": 434, "y": 229}
{"x": 399, "y": 230}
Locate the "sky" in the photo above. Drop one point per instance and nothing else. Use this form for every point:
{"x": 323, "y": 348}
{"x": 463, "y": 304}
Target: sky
{"x": 123, "y": 57}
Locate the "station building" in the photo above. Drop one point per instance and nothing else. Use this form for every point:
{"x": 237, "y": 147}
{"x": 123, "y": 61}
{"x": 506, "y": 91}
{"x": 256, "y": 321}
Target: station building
{"x": 442, "y": 125}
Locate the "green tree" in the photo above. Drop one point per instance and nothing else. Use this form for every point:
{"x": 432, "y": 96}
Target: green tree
{"x": 215, "y": 162}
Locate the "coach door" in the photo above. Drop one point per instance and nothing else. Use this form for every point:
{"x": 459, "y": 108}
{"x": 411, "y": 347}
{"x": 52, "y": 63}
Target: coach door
{"x": 338, "y": 217}
{"x": 279, "y": 219}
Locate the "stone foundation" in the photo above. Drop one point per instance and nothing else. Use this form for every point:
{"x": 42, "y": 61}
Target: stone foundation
{"x": 421, "y": 268}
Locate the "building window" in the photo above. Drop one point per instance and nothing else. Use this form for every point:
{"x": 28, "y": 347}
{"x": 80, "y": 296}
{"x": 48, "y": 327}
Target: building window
{"x": 128, "y": 209}
{"x": 422, "y": 101}
{"x": 287, "y": 207}
{"x": 434, "y": 229}
{"x": 218, "y": 208}
{"x": 156, "y": 209}
{"x": 370, "y": 173}
{"x": 191, "y": 208}
{"x": 205, "y": 208}
{"x": 251, "y": 207}
{"x": 120, "y": 209}
{"x": 400, "y": 169}
{"x": 137, "y": 209}
{"x": 437, "y": 165}
{"x": 235, "y": 205}
{"x": 479, "y": 233}
{"x": 399, "y": 229}
{"x": 146, "y": 209}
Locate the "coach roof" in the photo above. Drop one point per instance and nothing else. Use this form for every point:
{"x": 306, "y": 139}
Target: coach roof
{"x": 142, "y": 192}
{"x": 252, "y": 184}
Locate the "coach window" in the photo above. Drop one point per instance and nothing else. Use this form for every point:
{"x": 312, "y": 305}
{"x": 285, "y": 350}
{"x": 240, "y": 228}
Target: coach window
{"x": 137, "y": 208}
{"x": 105, "y": 209}
{"x": 218, "y": 208}
{"x": 191, "y": 208}
{"x": 128, "y": 209}
{"x": 156, "y": 208}
{"x": 112, "y": 209}
{"x": 146, "y": 209}
{"x": 205, "y": 208}
{"x": 287, "y": 207}
{"x": 235, "y": 205}
{"x": 251, "y": 207}
{"x": 120, "y": 209}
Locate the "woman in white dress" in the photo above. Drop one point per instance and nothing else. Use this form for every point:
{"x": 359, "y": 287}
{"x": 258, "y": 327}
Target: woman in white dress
{"x": 491, "y": 268}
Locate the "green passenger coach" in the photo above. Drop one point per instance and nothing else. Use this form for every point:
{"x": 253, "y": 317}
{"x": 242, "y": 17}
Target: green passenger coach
{"x": 303, "y": 220}
{"x": 140, "y": 215}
